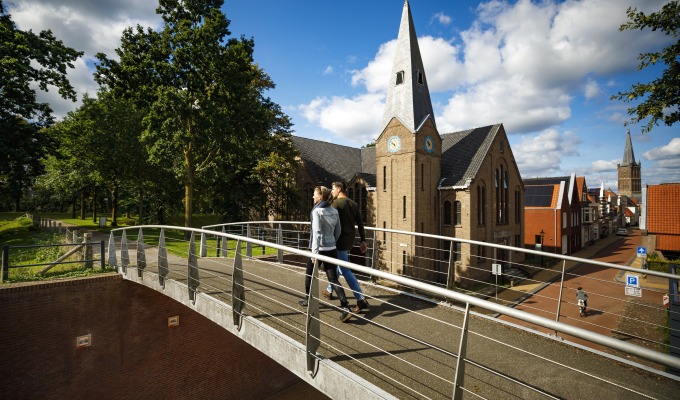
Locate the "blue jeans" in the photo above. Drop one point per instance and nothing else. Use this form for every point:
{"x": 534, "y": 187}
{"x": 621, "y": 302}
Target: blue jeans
{"x": 352, "y": 281}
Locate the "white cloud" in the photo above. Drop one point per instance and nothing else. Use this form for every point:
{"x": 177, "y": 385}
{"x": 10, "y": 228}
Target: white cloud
{"x": 327, "y": 71}
{"x": 542, "y": 154}
{"x": 89, "y": 26}
{"x": 351, "y": 119}
{"x": 592, "y": 90}
{"x": 604, "y": 165}
{"x": 669, "y": 152}
{"x": 442, "y": 18}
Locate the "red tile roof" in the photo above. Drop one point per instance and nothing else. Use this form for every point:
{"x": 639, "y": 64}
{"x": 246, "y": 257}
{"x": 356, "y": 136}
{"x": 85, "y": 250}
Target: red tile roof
{"x": 668, "y": 242}
{"x": 663, "y": 209}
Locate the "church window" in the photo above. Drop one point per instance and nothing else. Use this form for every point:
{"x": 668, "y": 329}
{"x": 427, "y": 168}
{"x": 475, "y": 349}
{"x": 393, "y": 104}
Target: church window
{"x": 384, "y": 178}
{"x": 400, "y": 77}
{"x": 421, "y": 78}
{"x": 481, "y": 205}
{"x": 457, "y": 215}
{"x": 447, "y": 212}
{"x": 422, "y": 177}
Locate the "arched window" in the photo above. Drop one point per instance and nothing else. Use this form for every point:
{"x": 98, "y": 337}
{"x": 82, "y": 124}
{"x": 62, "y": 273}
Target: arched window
{"x": 481, "y": 204}
{"x": 457, "y": 216}
{"x": 447, "y": 212}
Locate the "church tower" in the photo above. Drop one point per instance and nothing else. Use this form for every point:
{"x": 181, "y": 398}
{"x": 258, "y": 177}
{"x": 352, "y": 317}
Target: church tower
{"x": 630, "y": 180}
{"x": 408, "y": 157}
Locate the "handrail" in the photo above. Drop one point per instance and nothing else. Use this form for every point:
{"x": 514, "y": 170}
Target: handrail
{"x": 557, "y": 326}
{"x": 473, "y": 242}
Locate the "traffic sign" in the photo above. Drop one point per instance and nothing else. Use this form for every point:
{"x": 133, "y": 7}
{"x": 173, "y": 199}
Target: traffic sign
{"x": 642, "y": 251}
{"x": 633, "y": 291}
{"x": 632, "y": 280}
{"x": 496, "y": 269}
{"x": 666, "y": 301}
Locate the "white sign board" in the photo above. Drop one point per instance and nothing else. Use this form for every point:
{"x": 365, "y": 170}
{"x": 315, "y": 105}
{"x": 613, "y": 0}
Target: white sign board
{"x": 642, "y": 252}
{"x": 633, "y": 291}
{"x": 632, "y": 280}
{"x": 496, "y": 269}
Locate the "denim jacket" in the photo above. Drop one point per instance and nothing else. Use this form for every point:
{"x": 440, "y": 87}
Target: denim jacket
{"x": 325, "y": 229}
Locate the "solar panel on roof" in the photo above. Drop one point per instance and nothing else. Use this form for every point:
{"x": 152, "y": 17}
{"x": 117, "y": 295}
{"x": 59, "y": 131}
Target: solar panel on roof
{"x": 538, "y": 196}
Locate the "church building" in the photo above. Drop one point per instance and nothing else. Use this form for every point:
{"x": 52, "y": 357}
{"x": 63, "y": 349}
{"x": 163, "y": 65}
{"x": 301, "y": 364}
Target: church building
{"x": 630, "y": 178}
{"x": 461, "y": 184}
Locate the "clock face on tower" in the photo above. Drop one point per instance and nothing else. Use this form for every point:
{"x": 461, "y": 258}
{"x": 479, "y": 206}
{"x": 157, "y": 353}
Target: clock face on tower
{"x": 394, "y": 144}
{"x": 429, "y": 144}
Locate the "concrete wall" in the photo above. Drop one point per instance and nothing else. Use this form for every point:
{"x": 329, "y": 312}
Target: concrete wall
{"x": 133, "y": 352}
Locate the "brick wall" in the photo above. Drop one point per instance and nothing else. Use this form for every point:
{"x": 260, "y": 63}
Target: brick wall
{"x": 133, "y": 352}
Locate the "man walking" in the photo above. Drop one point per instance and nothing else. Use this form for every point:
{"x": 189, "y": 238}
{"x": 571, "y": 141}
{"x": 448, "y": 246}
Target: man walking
{"x": 350, "y": 216}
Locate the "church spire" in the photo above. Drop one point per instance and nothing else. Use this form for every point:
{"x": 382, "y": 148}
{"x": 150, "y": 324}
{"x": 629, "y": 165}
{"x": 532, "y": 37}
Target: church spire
{"x": 628, "y": 155}
{"x": 408, "y": 97}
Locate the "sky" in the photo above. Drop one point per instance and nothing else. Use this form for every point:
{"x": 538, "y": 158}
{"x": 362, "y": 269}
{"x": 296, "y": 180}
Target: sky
{"x": 544, "y": 69}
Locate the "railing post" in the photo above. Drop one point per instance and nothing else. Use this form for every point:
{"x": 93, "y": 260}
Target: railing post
{"x": 279, "y": 241}
{"x": 450, "y": 277}
{"x": 204, "y": 246}
{"x": 5, "y": 262}
{"x": 112, "y": 252}
{"x": 225, "y": 242}
{"x": 460, "y": 363}
{"x": 313, "y": 326}
{"x": 559, "y": 298}
{"x": 89, "y": 254}
{"x": 238, "y": 297}
{"x": 124, "y": 256}
{"x": 101, "y": 255}
{"x": 193, "y": 278}
{"x": 249, "y": 246}
{"x": 162, "y": 259}
{"x": 141, "y": 255}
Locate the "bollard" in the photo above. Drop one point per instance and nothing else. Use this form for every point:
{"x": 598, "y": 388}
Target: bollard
{"x": 87, "y": 237}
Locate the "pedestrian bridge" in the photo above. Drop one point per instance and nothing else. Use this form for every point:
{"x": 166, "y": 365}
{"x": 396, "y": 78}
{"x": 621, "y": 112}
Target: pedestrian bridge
{"x": 419, "y": 339}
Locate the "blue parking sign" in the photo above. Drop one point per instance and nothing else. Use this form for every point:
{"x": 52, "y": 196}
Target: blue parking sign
{"x": 632, "y": 280}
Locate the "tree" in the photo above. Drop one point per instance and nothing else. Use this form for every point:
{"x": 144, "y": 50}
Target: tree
{"x": 661, "y": 97}
{"x": 207, "y": 113}
{"x": 29, "y": 58}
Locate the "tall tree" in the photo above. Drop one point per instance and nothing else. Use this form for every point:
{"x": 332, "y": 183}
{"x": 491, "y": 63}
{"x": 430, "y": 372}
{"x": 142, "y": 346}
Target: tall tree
{"x": 661, "y": 97}
{"x": 207, "y": 113}
{"x": 28, "y": 58}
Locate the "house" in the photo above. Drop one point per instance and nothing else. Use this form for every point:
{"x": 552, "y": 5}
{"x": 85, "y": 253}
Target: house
{"x": 660, "y": 217}
{"x": 462, "y": 184}
{"x": 552, "y": 210}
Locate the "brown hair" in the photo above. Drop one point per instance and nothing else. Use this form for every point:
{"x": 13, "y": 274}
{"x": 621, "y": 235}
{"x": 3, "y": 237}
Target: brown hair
{"x": 340, "y": 186}
{"x": 324, "y": 192}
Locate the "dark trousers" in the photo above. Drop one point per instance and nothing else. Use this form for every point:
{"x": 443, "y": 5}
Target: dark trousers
{"x": 331, "y": 274}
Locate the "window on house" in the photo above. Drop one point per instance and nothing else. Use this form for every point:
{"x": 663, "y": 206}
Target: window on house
{"x": 518, "y": 207}
{"x": 404, "y": 208}
{"x": 400, "y": 77}
{"x": 564, "y": 220}
{"x": 457, "y": 220}
{"x": 447, "y": 212}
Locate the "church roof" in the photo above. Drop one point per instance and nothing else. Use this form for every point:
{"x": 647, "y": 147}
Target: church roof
{"x": 327, "y": 162}
{"x": 628, "y": 155}
{"x": 408, "y": 97}
{"x": 463, "y": 153}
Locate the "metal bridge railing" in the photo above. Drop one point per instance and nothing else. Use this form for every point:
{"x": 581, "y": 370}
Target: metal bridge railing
{"x": 413, "y": 348}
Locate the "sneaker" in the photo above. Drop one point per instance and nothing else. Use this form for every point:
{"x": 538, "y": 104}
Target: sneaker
{"x": 361, "y": 305}
{"x": 303, "y": 303}
{"x": 327, "y": 294}
{"x": 346, "y": 314}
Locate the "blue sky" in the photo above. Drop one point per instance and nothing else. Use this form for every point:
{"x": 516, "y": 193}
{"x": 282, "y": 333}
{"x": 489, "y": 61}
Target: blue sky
{"x": 545, "y": 69}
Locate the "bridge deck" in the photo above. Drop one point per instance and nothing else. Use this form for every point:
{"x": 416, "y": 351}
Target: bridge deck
{"x": 408, "y": 346}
